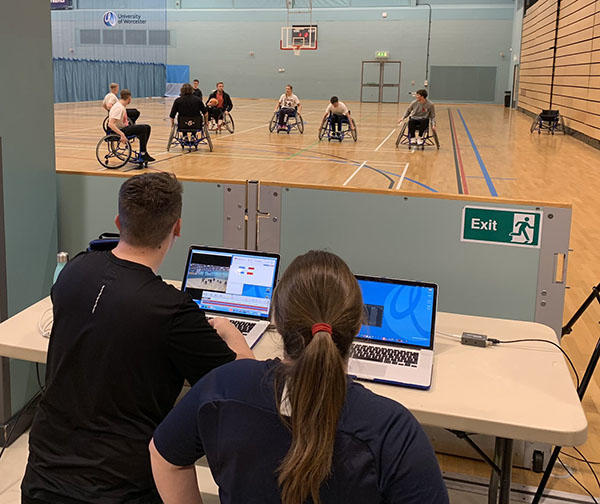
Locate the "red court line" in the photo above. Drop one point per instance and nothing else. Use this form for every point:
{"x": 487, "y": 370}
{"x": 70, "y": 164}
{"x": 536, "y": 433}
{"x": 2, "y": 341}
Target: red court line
{"x": 458, "y": 155}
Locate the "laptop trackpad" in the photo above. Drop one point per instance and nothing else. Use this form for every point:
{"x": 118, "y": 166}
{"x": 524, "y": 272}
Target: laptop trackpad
{"x": 365, "y": 368}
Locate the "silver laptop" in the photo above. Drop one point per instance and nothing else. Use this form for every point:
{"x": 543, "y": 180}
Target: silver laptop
{"x": 236, "y": 284}
{"x": 395, "y": 343}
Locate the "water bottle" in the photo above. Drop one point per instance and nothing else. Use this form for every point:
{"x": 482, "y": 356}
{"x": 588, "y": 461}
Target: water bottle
{"x": 61, "y": 260}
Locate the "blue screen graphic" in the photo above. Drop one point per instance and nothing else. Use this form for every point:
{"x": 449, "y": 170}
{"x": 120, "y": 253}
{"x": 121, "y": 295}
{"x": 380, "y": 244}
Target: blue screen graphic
{"x": 397, "y": 313}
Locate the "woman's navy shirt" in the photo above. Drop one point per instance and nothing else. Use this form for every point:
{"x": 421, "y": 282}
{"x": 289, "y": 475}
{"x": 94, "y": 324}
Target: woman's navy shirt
{"x": 381, "y": 453}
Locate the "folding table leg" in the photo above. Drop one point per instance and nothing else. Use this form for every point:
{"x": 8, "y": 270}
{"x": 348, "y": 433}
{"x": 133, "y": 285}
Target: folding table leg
{"x": 495, "y": 477}
{"x": 506, "y": 476}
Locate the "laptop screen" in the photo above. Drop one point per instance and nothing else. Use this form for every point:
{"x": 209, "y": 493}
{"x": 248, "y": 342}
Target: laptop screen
{"x": 231, "y": 282}
{"x": 398, "y": 311}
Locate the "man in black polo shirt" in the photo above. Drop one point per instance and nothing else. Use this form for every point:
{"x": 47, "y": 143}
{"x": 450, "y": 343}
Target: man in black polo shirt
{"x": 122, "y": 344}
{"x": 187, "y": 105}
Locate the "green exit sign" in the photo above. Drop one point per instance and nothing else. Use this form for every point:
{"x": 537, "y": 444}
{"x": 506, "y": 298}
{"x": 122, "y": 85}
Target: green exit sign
{"x": 501, "y": 226}
{"x": 382, "y": 54}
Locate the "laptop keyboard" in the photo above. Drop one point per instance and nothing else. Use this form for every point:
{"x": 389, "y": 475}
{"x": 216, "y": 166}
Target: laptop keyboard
{"x": 385, "y": 354}
{"x": 244, "y": 326}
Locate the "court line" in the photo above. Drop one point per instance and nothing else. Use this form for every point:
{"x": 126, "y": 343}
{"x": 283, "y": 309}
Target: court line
{"x": 237, "y": 132}
{"x": 486, "y": 175}
{"x": 385, "y": 140}
{"x": 461, "y": 180}
{"x": 355, "y": 172}
{"x": 402, "y": 177}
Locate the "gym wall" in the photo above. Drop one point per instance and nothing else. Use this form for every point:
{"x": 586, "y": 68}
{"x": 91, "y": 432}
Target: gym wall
{"x": 576, "y": 90}
{"x": 216, "y": 38}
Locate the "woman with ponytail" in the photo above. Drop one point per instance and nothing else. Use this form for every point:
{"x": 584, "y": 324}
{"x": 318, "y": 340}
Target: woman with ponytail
{"x": 298, "y": 430}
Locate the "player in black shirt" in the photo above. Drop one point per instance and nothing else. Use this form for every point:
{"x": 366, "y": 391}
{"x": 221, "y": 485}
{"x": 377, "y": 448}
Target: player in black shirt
{"x": 122, "y": 343}
{"x": 197, "y": 90}
{"x": 187, "y": 105}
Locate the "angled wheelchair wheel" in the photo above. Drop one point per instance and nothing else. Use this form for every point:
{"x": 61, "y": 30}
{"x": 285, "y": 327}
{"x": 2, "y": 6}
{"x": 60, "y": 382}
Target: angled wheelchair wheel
{"x": 300, "y": 123}
{"x": 207, "y": 136}
{"x": 228, "y": 122}
{"x": 354, "y": 131}
{"x": 436, "y": 140}
{"x": 111, "y": 153}
{"x": 273, "y": 123}
{"x": 172, "y": 134}
{"x": 533, "y": 125}
{"x": 401, "y": 134}
{"x": 105, "y": 125}
{"x": 323, "y": 131}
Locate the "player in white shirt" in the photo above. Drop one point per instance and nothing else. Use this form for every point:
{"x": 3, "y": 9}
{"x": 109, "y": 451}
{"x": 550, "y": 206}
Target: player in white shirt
{"x": 119, "y": 123}
{"x": 288, "y": 105}
{"x": 111, "y": 97}
{"x": 337, "y": 110}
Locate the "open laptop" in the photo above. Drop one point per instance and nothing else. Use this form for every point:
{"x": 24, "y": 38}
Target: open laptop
{"x": 395, "y": 343}
{"x": 236, "y": 284}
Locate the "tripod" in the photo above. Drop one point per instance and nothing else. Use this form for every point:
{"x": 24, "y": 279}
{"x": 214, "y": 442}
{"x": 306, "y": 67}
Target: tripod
{"x": 589, "y": 371}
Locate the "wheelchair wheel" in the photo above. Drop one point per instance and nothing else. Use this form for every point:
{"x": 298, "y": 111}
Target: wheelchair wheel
{"x": 436, "y": 139}
{"x": 533, "y": 125}
{"x": 323, "y": 131}
{"x": 300, "y": 123}
{"x": 354, "y": 132}
{"x": 171, "y": 137}
{"x": 111, "y": 153}
{"x": 401, "y": 134}
{"x": 105, "y": 125}
{"x": 207, "y": 136}
{"x": 228, "y": 122}
{"x": 273, "y": 123}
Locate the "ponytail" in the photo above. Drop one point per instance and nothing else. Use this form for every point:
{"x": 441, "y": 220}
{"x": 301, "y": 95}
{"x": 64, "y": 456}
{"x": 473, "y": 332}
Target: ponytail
{"x": 316, "y": 287}
{"x": 316, "y": 393}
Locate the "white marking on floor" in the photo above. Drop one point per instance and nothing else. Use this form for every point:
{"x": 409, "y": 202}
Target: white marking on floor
{"x": 402, "y": 177}
{"x": 355, "y": 172}
{"x": 385, "y": 140}
{"x": 217, "y": 137}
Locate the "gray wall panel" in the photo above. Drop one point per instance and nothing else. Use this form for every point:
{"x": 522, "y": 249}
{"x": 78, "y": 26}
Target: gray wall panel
{"x": 413, "y": 238}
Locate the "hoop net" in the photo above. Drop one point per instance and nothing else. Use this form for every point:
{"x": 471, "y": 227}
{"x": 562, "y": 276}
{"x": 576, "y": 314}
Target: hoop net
{"x": 297, "y": 49}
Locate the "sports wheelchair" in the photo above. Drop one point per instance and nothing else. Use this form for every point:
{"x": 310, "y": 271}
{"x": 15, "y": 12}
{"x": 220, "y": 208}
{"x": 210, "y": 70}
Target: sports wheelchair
{"x": 326, "y": 129}
{"x": 189, "y": 132}
{"x": 227, "y": 123}
{"x": 548, "y": 120}
{"x": 292, "y": 121}
{"x": 430, "y": 137}
{"x": 112, "y": 153}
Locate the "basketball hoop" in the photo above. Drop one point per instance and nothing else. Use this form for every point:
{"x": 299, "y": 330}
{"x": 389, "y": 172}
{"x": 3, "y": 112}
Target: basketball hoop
{"x": 297, "y": 49}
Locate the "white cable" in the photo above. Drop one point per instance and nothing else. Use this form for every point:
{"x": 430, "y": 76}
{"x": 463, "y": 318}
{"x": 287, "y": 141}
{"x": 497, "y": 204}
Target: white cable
{"x": 45, "y": 323}
{"x": 448, "y": 335}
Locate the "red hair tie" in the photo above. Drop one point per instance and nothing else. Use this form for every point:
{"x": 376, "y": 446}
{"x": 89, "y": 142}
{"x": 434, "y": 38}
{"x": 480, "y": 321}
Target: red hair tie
{"x": 321, "y": 327}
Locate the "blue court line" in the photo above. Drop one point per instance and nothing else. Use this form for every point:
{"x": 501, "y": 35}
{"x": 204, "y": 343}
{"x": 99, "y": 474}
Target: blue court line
{"x": 486, "y": 175}
{"x": 495, "y": 178}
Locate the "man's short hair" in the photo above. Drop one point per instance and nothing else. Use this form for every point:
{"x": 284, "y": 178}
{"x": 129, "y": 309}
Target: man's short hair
{"x": 113, "y": 85}
{"x": 289, "y": 85}
{"x": 422, "y": 92}
{"x": 196, "y": 80}
{"x": 186, "y": 89}
{"x": 149, "y": 206}
{"x": 334, "y": 99}
{"x": 220, "y": 82}
{"x": 125, "y": 93}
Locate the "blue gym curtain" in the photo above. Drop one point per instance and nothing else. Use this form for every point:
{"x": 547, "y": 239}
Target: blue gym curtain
{"x": 84, "y": 80}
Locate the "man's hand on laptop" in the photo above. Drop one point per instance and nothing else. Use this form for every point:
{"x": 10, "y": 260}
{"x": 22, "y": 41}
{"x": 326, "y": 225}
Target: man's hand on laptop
{"x": 232, "y": 336}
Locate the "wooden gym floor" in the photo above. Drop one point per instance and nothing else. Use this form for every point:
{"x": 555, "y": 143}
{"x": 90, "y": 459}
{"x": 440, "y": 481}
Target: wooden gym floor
{"x": 495, "y": 156}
